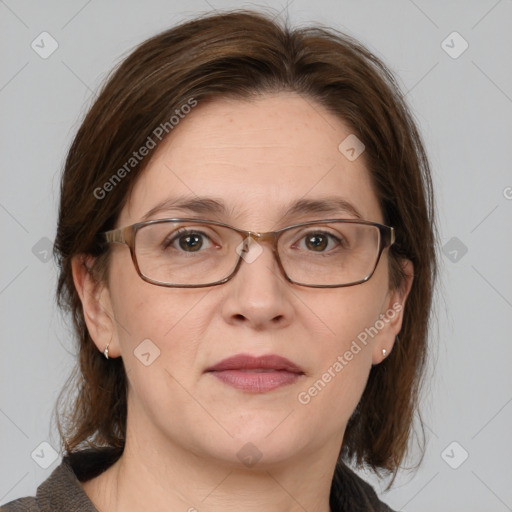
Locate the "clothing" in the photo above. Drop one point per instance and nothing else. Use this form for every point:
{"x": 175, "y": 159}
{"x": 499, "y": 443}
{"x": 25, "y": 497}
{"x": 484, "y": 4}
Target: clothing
{"x": 62, "y": 492}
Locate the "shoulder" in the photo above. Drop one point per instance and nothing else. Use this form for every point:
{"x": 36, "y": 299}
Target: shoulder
{"x": 350, "y": 492}
{"x": 21, "y": 505}
{"x": 62, "y": 490}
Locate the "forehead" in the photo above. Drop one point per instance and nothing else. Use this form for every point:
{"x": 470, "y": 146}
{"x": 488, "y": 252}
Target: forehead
{"x": 257, "y": 158}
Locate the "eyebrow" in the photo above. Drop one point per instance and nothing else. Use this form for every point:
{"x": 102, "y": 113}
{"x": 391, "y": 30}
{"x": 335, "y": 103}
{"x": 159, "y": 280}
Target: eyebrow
{"x": 331, "y": 205}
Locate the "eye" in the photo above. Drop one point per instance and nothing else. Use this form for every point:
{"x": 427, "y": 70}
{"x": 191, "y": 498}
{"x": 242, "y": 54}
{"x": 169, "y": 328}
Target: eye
{"x": 188, "y": 241}
{"x": 320, "y": 241}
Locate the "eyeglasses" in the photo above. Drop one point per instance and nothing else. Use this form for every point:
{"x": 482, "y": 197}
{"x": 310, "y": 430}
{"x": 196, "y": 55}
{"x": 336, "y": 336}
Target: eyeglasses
{"x": 193, "y": 253}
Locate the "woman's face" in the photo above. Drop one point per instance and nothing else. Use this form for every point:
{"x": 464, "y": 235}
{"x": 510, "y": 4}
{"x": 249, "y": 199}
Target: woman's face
{"x": 258, "y": 158}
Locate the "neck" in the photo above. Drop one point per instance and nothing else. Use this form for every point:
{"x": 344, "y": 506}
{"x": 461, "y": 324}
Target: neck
{"x": 160, "y": 477}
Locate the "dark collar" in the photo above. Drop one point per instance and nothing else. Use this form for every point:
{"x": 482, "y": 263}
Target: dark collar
{"x": 350, "y": 493}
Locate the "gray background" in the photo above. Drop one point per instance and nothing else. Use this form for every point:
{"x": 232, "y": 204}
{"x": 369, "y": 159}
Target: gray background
{"x": 463, "y": 106}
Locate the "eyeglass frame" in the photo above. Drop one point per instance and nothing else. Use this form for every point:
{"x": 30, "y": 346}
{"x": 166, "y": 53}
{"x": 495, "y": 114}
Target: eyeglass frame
{"x": 126, "y": 235}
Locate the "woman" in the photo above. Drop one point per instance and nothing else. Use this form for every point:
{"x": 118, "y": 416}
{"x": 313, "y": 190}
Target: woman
{"x": 245, "y": 227}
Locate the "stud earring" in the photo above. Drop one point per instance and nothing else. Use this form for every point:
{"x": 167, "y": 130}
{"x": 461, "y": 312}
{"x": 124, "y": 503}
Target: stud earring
{"x": 384, "y": 352}
{"x": 105, "y": 352}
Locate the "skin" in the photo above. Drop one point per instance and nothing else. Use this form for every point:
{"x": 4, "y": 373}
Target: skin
{"x": 185, "y": 427}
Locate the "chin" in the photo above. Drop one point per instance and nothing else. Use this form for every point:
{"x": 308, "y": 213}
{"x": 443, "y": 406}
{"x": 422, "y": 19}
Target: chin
{"x": 256, "y": 443}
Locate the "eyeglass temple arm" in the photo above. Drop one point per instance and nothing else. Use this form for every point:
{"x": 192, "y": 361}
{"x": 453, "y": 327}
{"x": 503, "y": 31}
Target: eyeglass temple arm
{"x": 391, "y": 236}
{"x": 115, "y": 236}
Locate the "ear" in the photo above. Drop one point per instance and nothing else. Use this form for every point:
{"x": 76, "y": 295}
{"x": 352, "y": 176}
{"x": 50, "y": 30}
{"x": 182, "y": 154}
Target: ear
{"x": 392, "y": 314}
{"x": 96, "y": 304}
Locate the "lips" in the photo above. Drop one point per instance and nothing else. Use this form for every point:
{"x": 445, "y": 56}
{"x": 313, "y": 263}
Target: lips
{"x": 246, "y": 362}
{"x": 256, "y": 374}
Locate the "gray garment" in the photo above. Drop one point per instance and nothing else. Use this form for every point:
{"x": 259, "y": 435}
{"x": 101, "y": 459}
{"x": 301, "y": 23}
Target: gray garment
{"x": 62, "y": 492}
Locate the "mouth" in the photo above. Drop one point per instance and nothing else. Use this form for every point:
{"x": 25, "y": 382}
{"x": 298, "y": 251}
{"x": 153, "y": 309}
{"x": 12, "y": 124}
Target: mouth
{"x": 256, "y": 374}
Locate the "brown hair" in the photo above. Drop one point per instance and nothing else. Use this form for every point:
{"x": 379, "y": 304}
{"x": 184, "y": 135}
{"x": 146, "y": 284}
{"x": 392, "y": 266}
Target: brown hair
{"x": 241, "y": 54}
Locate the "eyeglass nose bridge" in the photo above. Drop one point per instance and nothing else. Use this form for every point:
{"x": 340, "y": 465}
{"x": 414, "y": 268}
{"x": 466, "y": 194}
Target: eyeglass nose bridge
{"x": 268, "y": 236}
{"x": 265, "y": 237}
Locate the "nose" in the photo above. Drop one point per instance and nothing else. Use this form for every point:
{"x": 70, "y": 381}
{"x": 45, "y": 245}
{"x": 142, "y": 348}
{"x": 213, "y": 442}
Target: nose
{"x": 258, "y": 295}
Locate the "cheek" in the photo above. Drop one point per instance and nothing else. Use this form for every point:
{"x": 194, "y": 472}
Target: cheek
{"x": 343, "y": 357}
{"x": 154, "y": 323}
{"x": 159, "y": 347}
{"x": 346, "y": 314}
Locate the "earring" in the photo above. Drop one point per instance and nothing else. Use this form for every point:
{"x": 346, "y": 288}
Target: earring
{"x": 105, "y": 352}
{"x": 384, "y": 352}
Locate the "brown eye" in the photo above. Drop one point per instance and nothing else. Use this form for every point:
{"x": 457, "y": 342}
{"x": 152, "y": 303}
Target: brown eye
{"x": 191, "y": 243}
{"x": 317, "y": 242}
